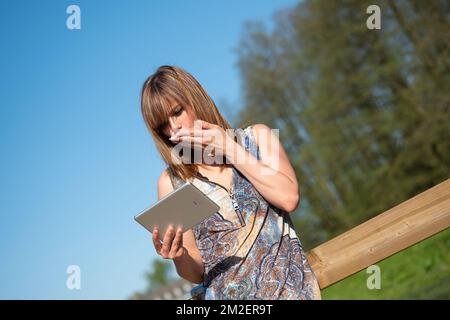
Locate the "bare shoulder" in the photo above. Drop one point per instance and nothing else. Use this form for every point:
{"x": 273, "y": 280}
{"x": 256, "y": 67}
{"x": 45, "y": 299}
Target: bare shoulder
{"x": 164, "y": 184}
{"x": 260, "y": 130}
{"x": 272, "y": 151}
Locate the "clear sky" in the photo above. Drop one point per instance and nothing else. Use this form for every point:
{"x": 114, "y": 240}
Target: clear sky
{"x": 76, "y": 160}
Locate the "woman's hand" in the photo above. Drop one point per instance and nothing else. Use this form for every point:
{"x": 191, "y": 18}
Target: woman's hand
{"x": 210, "y": 137}
{"x": 172, "y": 244}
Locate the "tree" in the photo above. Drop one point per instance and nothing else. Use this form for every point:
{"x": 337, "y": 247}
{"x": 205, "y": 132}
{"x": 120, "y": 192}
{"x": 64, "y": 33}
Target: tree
{"x": 161, "y": 274}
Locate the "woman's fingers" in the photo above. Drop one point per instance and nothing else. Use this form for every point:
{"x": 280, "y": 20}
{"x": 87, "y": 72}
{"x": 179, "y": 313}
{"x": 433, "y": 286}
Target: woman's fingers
{"x": 205, "y": 133}
{"x": 189, "y": 140}
{"x": 196, "y": 133}
{"x": 206, "y": 125}
{"x": 172, "y": 243}
{"x": 167, "y": 242}
{"x": 177, "y": 243}
{"x": 156, "y": 241}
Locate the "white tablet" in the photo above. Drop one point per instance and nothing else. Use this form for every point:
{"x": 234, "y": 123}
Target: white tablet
{"x": 186, "y": 206}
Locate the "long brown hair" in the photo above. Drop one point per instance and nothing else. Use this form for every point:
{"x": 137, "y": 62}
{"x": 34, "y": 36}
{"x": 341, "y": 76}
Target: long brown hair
{"x": 181, "y": 86}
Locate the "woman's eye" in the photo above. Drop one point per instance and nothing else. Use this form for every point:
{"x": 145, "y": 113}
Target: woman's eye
{"x": 178, "y": 111}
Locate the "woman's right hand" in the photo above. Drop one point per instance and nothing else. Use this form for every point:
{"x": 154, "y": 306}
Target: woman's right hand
{"x": 172, "y": 246}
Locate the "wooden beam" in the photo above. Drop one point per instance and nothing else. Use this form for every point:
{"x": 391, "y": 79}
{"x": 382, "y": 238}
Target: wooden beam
{"x": 382, "y": 236}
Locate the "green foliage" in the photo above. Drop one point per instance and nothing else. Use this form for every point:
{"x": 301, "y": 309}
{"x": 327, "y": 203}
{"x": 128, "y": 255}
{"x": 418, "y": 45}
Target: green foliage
{"x": 160, "y": 274}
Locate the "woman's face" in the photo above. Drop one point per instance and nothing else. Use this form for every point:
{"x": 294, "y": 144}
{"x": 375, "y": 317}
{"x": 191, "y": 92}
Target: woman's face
{"x": 180, "y": 117}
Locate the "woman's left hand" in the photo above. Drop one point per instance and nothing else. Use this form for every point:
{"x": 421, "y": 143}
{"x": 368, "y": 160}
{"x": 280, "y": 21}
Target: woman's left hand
{"x": 210, "y": 137}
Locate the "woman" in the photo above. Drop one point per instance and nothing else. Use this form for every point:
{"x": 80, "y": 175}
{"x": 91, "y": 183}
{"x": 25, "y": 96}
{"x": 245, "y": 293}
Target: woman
{"x": 249, "y": 249}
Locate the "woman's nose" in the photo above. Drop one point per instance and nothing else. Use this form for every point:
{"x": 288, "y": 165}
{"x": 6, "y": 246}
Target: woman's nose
{"x": 174, "y": 126}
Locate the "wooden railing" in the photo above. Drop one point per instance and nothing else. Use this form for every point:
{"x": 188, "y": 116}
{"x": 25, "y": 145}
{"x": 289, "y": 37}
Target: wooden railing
{"x": 382, "y": 236}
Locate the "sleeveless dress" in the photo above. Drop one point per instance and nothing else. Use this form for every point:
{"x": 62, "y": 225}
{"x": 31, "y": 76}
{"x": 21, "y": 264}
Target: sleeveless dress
{"x": 249, "y": 247}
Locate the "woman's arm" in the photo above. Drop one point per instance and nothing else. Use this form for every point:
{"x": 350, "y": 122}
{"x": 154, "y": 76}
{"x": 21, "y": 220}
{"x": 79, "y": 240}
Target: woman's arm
{"x": 273, "y": 175}
{"x": 190, "y": 265}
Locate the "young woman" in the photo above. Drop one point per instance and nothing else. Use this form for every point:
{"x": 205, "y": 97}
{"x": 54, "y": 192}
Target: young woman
{"x": 249, "y": 249}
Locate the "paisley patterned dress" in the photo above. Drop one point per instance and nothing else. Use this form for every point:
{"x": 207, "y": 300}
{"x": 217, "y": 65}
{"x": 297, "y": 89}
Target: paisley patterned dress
{"x": 249, "y": 247}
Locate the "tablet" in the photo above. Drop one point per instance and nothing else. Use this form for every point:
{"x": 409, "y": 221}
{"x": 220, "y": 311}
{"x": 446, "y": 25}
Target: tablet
{"x": 186, "y": 206}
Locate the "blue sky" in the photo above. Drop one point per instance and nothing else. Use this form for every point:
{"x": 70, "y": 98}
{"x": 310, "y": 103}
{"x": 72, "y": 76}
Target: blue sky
{"x": 76, "y": 160}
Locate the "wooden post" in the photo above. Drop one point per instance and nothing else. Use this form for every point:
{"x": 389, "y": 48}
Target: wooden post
{"x": 382, "y": 236}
